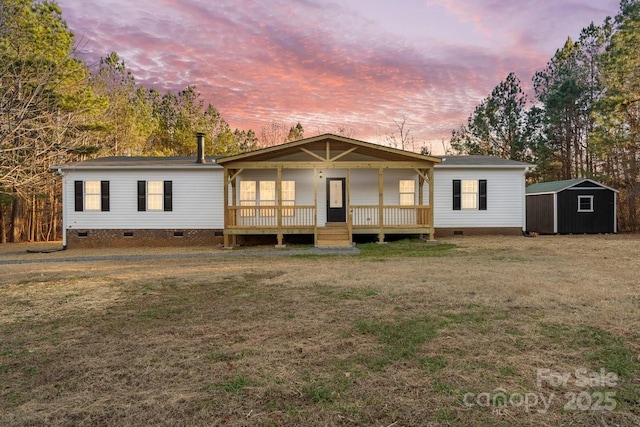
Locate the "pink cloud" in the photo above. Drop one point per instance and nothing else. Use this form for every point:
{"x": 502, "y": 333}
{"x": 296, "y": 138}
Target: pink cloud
{"x": 324, "y": 63}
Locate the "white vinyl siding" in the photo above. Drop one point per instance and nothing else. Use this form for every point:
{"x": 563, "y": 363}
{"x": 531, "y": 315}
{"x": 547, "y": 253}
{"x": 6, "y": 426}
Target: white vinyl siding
{"x": 364, "y": 186}
{"x": 505, "y": 198}
{"x": 197, "y": 200}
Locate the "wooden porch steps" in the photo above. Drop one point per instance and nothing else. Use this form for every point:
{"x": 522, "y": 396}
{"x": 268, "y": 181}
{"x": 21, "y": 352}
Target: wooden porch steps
{"x": 333, "y": 234}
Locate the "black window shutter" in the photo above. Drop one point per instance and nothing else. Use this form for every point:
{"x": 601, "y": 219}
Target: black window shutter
{"x": 142, "y": 196}
{"x": 78, "y": 188}
{"x": 104, "y": 196}
{"x": 168, "y": 196}
{"x": 482, "y": 192}
{"x": 457, "y": 194}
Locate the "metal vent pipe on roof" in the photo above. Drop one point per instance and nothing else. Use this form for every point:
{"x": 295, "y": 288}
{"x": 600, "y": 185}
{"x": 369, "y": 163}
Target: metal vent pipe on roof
{"x": 200, "y": 139}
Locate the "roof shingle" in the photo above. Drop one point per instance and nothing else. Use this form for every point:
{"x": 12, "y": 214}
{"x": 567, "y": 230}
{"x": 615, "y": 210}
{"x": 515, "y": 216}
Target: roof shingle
{"x": 487, "y": 161}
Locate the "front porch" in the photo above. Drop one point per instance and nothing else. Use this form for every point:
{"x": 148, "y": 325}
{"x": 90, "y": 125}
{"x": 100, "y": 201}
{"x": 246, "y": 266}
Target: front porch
{"x": 303, "y": 220}
{"x": 330, "y": 187}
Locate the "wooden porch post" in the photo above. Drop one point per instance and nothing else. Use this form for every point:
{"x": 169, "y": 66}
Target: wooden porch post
{"x": 431, "y": 204}
{"x": 380, "y": 205}
{"x": 420, "y": 216}
{"x": 279, "y": 210}
{"x": 226, "y": 208}
{"x": 315, "y": 204}
{"x": 349, "y": 219}
{"x": 234, "y": 203}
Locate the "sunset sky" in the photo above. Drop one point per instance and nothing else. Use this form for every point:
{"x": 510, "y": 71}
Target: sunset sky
{"x": 355, "y": 63}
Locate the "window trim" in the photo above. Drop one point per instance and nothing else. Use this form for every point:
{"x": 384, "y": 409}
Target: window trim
{"x": 481, "y": 198}
{"x": 80, "y": 196}
{"x": 585, "y": 197}
{"x": 167, "y": 196}
{"x": 475, "y": 193}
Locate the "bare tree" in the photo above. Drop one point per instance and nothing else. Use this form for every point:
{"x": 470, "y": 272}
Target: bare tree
{"x": 45, "y": 105}
{"x": 274, "y": 133}
{"x": 345, "y": 130}
{"x": 402, "y": 135}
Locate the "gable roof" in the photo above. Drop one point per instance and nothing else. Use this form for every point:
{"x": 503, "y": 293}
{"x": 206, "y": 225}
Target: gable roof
{"x": 557, "y": 186}
{"x": 140, "y": 162}
{"x": 481, "y": 161}
{"x": 337, "y": 142}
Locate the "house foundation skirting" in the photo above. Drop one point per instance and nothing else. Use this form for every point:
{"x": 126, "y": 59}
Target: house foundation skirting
{"x": 478, "y": 231}
{"x": 101, "y": 238}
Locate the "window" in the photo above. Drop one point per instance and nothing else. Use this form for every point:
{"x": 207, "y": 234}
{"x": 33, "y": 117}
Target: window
{"x": 585, "y": 203}
{"x": 469, "y": 194}
{"x": 91, "y": 196}
{"x": 155, "y": 196}
{"x": 247, "y": 197}
{"x": 407, "y": 192}
{"x": 263, "y": 193}
{"x": 288, "y": 197}
{"x": 267, "y": 197}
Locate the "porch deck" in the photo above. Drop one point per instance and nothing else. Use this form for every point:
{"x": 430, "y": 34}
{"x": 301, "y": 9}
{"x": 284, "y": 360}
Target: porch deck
{"x": 362, "y": 219}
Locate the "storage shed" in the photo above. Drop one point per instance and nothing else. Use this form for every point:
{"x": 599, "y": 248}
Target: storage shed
{"x": 574, "y": 206}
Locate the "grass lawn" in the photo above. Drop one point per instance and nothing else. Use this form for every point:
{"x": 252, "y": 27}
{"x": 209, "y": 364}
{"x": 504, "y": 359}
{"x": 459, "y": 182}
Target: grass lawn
{"x": 470, "y": 332}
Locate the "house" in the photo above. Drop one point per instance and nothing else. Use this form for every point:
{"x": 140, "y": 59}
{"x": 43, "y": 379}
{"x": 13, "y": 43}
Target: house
{"x": 327, "y": 187}
{"x": 575, "y": 206}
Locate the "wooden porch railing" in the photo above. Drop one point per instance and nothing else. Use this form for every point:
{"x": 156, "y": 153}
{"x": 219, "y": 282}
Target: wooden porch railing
{"x": 267, "y": 216}
{"x": 365, "y": 216}
{"x": 393, "y": 216}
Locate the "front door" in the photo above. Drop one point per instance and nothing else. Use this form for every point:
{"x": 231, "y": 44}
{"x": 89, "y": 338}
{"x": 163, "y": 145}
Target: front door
{"x": 336, "y": 200}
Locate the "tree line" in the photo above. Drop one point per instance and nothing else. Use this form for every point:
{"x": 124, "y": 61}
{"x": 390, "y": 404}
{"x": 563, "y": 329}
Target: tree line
{"x": 584, "y": 118}
{"x": 56, "y": 108}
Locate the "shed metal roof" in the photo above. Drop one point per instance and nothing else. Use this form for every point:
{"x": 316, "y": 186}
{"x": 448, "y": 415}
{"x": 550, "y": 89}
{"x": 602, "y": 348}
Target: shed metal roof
{"x": 557, "y": 186}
